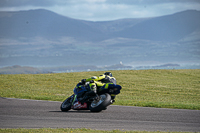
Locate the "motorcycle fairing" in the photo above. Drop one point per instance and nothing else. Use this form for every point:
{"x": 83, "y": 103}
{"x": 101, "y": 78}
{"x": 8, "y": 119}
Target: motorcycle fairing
{"x": 79, "y": 89}
{"x": 77, "y": 105}
{"x": 110, "y": 89}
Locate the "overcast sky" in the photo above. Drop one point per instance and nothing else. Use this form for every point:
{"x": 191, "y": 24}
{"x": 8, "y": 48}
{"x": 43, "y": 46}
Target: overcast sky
{"x": 101, "y": 10}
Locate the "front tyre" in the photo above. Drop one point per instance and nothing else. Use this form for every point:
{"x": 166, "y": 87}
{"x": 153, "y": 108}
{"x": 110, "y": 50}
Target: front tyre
{"x": 101, "y": 104}
{"x": 66, "y": 105}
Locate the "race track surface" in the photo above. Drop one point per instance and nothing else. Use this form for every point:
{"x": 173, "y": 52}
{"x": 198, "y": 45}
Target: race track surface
{"x": 18, "y": 113}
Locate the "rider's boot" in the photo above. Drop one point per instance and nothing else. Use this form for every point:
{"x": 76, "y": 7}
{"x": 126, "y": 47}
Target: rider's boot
{"x": 112, "y": 98}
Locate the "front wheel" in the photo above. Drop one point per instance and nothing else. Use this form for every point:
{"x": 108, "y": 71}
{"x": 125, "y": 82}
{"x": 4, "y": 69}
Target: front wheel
{"x": 101, "y": 104}
{"x": 66, "y": 105}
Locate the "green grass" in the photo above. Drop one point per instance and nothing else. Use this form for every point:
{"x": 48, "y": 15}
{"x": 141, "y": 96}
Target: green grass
{"x": 80, "y": 130}
{"x": 146, "y": 88}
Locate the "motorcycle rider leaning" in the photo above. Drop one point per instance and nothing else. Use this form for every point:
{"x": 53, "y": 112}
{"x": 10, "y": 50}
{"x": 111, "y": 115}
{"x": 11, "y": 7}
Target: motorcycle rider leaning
{"x": 100, "y": 84}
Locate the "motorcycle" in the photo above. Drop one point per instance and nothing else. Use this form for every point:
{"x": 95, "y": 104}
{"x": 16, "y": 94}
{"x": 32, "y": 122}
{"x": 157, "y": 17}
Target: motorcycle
{"x": 94, "y": 103}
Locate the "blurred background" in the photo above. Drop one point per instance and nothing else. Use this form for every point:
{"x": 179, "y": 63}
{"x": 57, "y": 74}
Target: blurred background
{"x": 90, "y": 35}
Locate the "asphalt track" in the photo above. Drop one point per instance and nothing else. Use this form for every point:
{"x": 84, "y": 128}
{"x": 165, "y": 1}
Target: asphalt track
{"x": 19, "y": 113}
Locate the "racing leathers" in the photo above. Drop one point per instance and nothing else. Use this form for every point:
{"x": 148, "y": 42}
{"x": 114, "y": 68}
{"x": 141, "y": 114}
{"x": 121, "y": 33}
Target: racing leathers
{"x": 100, "y": 81}
{"x": 101, "y": 84}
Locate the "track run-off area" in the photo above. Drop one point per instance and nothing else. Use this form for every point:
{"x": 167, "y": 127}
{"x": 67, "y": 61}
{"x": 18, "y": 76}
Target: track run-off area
{"x": 22, "y": 113}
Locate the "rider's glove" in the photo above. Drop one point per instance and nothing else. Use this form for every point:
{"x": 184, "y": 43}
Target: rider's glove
{"x": 92, "y": 81}
{"x": 83, "y": 81}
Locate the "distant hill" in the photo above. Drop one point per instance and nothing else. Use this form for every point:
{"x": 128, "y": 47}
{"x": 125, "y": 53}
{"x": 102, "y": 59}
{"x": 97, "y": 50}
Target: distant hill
{"x": 20, "y": 70}
{"x": 165, "y": 28}
{"x": 47, "y": 24}
{"x": 42, "y": 37}
{"x": 16, "y": 69}
{"x": 42, "y": 23}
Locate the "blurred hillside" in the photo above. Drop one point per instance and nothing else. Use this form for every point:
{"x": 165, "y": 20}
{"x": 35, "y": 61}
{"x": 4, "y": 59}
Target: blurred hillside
{"x": 44, "y": 38}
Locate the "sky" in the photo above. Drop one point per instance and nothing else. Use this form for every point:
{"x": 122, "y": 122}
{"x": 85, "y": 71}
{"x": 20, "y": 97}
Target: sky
{"x": 103, "y": 10}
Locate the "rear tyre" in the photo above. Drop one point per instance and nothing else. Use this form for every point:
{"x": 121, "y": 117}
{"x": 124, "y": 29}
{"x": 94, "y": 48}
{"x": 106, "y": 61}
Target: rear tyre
{"x": 97, "y": 106}
{"x": 66, "y": 105}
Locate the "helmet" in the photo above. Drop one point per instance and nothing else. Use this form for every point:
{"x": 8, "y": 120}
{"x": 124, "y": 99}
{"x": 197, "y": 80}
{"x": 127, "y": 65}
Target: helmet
{"x": 108, "y": 73}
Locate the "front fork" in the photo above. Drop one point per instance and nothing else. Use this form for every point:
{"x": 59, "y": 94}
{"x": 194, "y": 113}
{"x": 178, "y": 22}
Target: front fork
{"x": 73, "y": 98}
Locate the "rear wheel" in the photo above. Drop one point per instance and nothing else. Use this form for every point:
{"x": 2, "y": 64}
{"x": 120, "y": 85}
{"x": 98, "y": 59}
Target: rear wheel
{"x": 66, "y": 105}
{"x": 101, "y": 104}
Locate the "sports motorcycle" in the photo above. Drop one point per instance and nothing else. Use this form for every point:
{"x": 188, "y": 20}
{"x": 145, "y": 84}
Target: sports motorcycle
{"x": 94, "y": 103}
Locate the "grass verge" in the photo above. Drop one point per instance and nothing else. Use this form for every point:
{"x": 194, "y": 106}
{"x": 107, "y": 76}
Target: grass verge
{"x": 146, "y": 88}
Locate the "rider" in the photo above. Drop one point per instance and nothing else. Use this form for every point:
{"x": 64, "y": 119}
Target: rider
{"x": 100, "y": 84}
